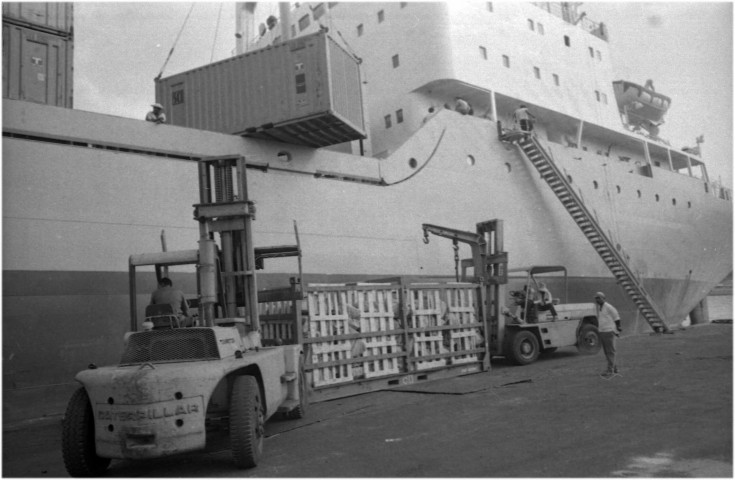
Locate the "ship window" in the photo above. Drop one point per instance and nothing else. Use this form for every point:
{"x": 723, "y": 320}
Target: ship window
{"x": 597, "y": 94}
{"x": 569, "y": 179}
{"x": 412, "y": 163}
{"x": 507, "y": 166}
{"x": 489, "y": 6}
{"x": 360, "y": 30}
{"x": 483, "y": 52}
{"x": 304, "y": 22}
{"x": 639, "y": 193}
{"x": 537, "y": 72}
{"x": 592, "y": 52}
{"x": 399, "y": 116}
{"x": 540, "y": 28}
{"x": 556, "y": 79}
{"x": 506, "y": 61}
{"x": 617, "y": 187}
{"x": 530, "y": 24}
{"x": 689, "y": 204}
{"x": 387, "y": 121}
{"x": 567, "y": 42}
{"x": 396, "y": 62}
{"x": 318, "y": 11}
{"x": 657, "y": 197}
{"x": 381, "y": 16}
{"x": 673, "y": 201}
{"x": 470, "y": 160}
{"x": 594, "y": 182}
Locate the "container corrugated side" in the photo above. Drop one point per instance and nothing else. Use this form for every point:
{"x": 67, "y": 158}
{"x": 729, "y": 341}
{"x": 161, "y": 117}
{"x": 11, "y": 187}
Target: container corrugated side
{"x": 37, "y": 66}
{"x": 259, "y": 92}
{"x": 57, "y": 17}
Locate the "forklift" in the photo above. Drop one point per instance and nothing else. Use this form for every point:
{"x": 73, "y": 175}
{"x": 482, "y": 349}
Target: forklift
{"x": 176, "y": 386}
{"x": 518, "y": 338}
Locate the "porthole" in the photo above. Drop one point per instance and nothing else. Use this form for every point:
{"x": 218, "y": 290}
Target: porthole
{"x": 507, "y": 166}
{"x": 412, "y": 163}
{"x": 657, "y": 197}
{"x": 617, "y": 187}
{"x": 284, "y": 156}
{"x": 470, "y": 160}
{"x": 569, "y": 179}
{"x": 673, "y": 201}
{"x": 689, "y": 204}
{"x": 595, "y": 184}
{"x": 639, "y": 194}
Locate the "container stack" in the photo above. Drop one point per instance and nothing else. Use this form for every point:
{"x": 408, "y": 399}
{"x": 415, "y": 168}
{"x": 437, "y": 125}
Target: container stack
{"x": 38, "y": 48}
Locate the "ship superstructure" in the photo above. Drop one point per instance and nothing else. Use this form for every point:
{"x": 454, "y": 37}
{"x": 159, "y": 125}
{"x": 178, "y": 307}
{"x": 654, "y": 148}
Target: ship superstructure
{"x": 91, "y": 196}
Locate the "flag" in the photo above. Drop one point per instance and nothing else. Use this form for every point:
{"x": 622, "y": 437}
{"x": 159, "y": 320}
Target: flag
{"x": 700, "y": 139}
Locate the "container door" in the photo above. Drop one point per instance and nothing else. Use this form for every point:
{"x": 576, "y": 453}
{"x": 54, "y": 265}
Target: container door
{"x": 178, "y": 105}
{"x": 35, "y": 75}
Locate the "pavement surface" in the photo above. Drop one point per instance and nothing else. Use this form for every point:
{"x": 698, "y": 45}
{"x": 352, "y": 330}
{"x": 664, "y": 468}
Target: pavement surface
{"x": 670, "y": 414}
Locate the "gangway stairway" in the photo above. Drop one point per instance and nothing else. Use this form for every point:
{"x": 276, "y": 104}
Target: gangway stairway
{"x": 625, "y": 277}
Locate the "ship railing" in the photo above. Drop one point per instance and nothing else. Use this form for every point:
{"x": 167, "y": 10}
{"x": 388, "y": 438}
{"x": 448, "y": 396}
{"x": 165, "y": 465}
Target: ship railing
{"x": 558, "y": 9}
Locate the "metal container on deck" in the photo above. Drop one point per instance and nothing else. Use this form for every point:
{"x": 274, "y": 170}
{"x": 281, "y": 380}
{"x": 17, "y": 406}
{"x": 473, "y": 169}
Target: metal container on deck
{"x": 37, "y": 66}
{"x": 305, "y": 91}
{"x": 52, "y": 17}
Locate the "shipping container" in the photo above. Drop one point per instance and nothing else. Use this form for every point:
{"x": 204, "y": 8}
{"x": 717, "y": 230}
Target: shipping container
{"x": 37, "y": 66}
{"x": 305, "y": 91}
{"x": 53, "y": 17}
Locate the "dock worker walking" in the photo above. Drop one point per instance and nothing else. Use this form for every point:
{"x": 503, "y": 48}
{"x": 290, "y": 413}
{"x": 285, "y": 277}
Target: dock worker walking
{"x": 608, "y": 321}
{"x": 523, "y": 119}
{"x": 156, "y": 115}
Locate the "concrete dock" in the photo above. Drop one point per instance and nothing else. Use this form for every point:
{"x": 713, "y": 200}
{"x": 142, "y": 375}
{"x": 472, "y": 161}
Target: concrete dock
{"x": 668, "y": 415}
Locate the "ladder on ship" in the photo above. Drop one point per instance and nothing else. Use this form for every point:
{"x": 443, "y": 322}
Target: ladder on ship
{"x": 534, "y": 152}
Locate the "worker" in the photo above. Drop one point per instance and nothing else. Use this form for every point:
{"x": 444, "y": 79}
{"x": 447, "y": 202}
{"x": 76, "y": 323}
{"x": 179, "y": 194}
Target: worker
{"x": 523, "y": 119}
{"x": 547, "y": 301}
{"x": 608, "y": 326}
{"x": 462, "y": 106}
{"x": 166, "y": 293}
{"x": 156, "y": 115}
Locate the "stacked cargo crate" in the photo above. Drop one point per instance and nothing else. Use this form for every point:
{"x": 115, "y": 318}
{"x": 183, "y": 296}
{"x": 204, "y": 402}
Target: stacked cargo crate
{"x": 38, "y": 47}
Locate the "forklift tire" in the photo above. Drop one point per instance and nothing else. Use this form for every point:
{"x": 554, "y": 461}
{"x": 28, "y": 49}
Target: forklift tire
{"x": 524, "y": 348}
{"x": 588, "y": 342}
{"x": 247, "y": 422}
{"x": 77, "y": 438}
{"x": 300, "y": 411}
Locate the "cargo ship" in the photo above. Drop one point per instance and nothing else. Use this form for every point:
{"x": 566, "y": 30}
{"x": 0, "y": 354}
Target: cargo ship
{"x": 363, "y": 143}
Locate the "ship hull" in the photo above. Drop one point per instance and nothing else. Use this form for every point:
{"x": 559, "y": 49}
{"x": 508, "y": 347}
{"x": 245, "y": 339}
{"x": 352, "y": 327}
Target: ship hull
{"x": 76, "y": 207}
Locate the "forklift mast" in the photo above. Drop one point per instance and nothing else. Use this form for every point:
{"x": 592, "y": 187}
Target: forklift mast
{"x": 224, "y": 208}
{"x": 490, "y": 270}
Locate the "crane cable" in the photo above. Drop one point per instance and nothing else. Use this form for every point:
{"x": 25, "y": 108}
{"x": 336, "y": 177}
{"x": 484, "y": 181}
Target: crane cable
{"x": 175, "y": 42}
{"x": 216, "y": 31}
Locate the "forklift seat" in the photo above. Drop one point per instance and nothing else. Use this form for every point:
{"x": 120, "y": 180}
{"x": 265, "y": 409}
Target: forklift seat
{"x": 162, "y": 316}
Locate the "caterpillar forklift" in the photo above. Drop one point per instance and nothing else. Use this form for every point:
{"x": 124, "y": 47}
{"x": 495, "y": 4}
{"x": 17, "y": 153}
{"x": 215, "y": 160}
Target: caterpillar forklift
{"x": 521, "y": 336}
{"x": 176, "y": 385}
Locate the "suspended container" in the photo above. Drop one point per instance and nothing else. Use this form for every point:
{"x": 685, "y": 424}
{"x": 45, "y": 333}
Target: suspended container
{"x": 305, "y": 91}
{"x": 51, "y": 17}
{"x": 37, "y": 66}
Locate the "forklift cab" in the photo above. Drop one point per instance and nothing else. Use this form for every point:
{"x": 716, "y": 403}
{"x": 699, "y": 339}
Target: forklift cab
{"x": 534, "y": 276}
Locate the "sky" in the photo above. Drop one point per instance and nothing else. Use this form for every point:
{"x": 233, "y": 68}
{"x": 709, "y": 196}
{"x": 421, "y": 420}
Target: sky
{"x": 686, "y": 48}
